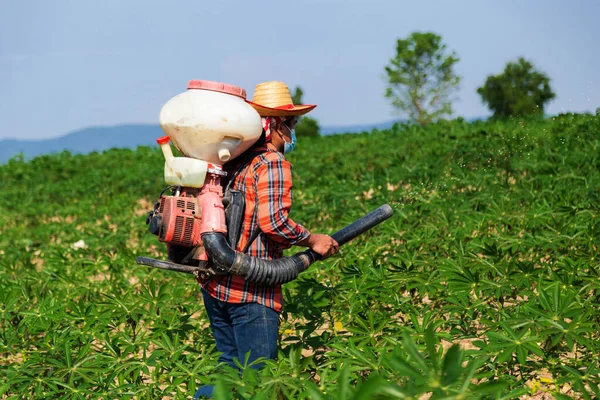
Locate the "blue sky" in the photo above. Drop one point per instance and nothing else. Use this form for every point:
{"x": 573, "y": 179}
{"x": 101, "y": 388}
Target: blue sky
{"x": 66, "y": 65}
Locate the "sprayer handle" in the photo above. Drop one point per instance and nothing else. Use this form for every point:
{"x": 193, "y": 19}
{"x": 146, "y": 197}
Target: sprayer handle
{"x": 355, "y": 229}
{"x": 363, "y": 224}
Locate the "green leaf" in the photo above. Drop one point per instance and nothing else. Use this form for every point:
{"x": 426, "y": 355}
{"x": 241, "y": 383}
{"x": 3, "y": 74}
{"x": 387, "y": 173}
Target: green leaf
{"x": 560, "y": 396}
{"x": 522, "y": 355}
{"x": 365, "y": 391}
{"x": 222, "y": 391}
{"x": 343, "y": 384}
{"x": 488, "y": 388}
{"x": 452, "y": 367}
{"x": 313, "y": 392}
{"x": 411, "y": 349}
{"x": 430, "y": 343}
{"x": 403, "y": 368}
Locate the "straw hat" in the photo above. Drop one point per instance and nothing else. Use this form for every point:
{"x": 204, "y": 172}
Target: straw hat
{"x": 273, "y": 99}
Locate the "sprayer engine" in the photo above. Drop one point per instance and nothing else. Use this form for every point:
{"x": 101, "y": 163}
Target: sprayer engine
{"x": 180, "y": 219}
{"x": 176, "y": 220}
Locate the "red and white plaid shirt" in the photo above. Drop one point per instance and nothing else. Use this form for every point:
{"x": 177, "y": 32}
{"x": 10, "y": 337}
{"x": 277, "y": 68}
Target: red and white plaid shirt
{"x": 267, "y": 182}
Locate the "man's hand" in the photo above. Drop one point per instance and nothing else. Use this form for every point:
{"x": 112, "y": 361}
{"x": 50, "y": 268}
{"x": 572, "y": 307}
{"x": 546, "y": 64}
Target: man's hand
{"x": 324, "y": 245}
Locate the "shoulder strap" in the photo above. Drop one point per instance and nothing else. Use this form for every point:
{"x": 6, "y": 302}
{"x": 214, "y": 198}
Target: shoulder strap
{"x": 243, "y": 166}
{"x": 251, "y": 155}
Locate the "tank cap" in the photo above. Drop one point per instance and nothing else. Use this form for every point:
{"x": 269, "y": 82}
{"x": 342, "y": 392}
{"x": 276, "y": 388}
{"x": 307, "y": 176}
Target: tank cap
{"x": 163, "y": 140}
{"x": 217, "y": 87}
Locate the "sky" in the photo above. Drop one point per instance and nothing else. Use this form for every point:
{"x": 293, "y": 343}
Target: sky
{"x": 67, "y": 65}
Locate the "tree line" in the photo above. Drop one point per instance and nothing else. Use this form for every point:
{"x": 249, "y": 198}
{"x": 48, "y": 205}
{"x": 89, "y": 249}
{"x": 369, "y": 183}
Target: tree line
{"x": 422, "y": 83}
{"x": 422, "y": 80}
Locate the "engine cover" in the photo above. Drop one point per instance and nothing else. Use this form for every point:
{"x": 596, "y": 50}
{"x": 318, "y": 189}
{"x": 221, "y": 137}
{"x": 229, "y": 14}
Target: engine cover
{"x": 179, "y": 221}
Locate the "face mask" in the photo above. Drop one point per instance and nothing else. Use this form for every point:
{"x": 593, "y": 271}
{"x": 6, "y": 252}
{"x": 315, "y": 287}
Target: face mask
{"x": 289, "y": 147}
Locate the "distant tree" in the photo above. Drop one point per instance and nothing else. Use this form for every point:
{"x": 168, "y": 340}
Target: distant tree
{"x": 519, "y": 91}
{"x": 421, "y": 77}
{"x": 297, "y": 96}
{"x": 306, "y": 126}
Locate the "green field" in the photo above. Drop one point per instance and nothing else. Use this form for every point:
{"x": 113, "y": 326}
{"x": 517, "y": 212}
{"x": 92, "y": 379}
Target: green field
{"x": 484, "y": 284}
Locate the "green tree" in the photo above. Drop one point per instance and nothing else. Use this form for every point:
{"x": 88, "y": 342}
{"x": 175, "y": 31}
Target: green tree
{"x": 297, "y": 96}
{"x": 306, "y": 126}
{"x": 519, "y": 91}
{"x": 421, "y": 77}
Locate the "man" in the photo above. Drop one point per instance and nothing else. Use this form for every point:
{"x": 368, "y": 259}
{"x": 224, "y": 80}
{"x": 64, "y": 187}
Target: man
{"x": 244, "y": 317}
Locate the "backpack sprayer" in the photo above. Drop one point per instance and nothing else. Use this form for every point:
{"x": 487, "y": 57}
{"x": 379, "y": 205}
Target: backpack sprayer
{"x": 210, "y": 124}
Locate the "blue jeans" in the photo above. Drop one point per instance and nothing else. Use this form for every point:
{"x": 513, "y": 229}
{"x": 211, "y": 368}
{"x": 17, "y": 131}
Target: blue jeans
{"x": 241, "y": 328}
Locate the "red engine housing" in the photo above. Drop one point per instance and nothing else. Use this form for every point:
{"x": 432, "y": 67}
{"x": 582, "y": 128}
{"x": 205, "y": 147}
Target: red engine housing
{"x": 181, "y": 221}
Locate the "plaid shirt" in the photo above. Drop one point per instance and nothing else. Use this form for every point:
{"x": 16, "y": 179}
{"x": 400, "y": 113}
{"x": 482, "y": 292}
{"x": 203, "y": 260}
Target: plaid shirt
{"x": 267, "y": 182}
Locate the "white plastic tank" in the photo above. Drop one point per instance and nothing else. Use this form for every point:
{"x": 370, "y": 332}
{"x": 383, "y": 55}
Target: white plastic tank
{"x": 211, "y": 121}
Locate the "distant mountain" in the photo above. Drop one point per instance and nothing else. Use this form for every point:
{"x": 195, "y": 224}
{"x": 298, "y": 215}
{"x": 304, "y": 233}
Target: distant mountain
{"x": 84, "y": 141}
{"x": 331, "y": 130}
{"x": 122, "y": 136}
